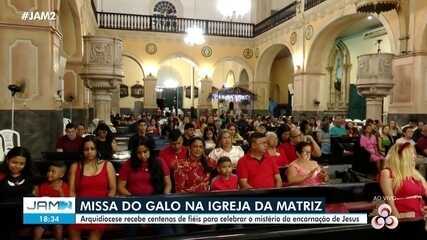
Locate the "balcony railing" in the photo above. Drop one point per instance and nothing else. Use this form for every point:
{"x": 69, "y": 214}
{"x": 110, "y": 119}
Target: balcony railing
{"x": 311, "y": 4}
{"x": 152, "y": 23}
{"x": 172, "y": 25}
{"x": 279, "y": 17}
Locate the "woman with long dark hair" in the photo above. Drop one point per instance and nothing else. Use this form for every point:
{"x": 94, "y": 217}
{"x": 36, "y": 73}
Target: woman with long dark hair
{"x": 209, "y": 136}
{"x": 106, "y": 144}
{"x": 91, "y": 177}
{"x": 144, "y": 174}
{"x": 192, "y": 174}
{"x": 15, "y": 183}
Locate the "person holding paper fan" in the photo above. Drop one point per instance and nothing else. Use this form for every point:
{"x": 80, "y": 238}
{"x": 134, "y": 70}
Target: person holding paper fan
{"x": 304, "y": 171}
{"x": 193, "y": 173}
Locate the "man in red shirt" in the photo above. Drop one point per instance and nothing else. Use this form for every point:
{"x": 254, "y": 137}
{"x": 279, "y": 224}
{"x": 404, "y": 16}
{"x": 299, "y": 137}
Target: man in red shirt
{"x": 256, "y": 169}
{"x": 70, "y": 142}
{"x": 175, "y": 151}
{"x": 296, "y": 137}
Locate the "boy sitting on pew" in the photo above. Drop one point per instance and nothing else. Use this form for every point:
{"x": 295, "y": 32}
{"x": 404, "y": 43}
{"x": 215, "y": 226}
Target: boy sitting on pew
{"x": 226, "y": 180}
{"x": 54, "y": 186}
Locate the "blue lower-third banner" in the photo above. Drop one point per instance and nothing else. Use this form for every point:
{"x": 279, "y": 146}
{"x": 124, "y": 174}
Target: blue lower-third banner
{"x": 171, "y": 210}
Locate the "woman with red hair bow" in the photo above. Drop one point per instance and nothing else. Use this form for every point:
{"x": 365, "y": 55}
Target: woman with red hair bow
{"x": 402, "y": 185}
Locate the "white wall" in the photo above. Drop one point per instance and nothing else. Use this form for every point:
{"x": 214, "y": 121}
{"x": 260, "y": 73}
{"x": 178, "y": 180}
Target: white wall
{"x": 132, "y": 73}
{"x": 202, "y": 9}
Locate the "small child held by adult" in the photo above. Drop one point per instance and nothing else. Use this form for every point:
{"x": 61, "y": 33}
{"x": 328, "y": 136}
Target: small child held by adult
{"x": 226, "y": 180}
{"x": 54, "y": 186}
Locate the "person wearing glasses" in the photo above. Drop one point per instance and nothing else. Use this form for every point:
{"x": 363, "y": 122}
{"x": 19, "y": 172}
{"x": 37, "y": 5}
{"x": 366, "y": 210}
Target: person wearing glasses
{"x": 296, "y": 137}
{"x": 304, "y": 171}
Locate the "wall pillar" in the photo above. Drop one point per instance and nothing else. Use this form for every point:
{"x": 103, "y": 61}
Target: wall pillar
{"x": 205, "y": 104}
{"x": 311, "y": 93}
{"x": 115, "y": 100}
{"x": 29, "y": 56}
{"x": 150, "y": 95}
{"x": 374, "y": 81}
{"x": 262, "y": 92}
{"x": 102, "y": 71}
{"x": 408, "y": 99}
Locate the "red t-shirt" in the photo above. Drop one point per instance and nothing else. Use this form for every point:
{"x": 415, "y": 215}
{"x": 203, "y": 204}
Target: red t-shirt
{"x": 289, "y": 150}
{"x": 69, "y": 146}
{"x": 219, "y": 183}
{"x": 281, "y": 159}
{"x": 139, "y": 182}
{"x": 170, "y": 157}
{"x": 260, "y": 173}
{"x": 46, "y": 190}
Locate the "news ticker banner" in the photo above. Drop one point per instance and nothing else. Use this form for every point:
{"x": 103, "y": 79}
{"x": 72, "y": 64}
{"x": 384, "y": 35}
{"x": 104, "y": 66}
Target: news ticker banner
{"x": 172, "y": 210}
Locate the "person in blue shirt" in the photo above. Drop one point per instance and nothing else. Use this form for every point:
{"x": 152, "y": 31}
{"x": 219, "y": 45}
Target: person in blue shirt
{"x": 338, "y": 129}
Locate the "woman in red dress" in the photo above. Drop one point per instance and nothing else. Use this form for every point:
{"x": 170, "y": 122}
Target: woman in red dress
{"x": 192, "y": 174}
{"x": 403, "y": 186}
{"x": 91, "y": 177}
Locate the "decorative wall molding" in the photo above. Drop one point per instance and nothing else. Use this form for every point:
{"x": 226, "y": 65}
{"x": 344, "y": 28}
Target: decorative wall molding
{"x": 28, "y": 73}
{"x": 18, "y": 9}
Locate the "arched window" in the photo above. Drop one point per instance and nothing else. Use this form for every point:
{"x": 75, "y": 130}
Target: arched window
{"x": 165, "y": 9}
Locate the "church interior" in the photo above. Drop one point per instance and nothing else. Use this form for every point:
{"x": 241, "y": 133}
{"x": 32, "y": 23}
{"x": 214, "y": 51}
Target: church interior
{"x": 145, "y": 68}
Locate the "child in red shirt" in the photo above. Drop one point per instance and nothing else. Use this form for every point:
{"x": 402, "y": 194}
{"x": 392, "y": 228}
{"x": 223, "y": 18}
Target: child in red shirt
{"x": 226, "y": 180}
{"x": 53, "y": 187}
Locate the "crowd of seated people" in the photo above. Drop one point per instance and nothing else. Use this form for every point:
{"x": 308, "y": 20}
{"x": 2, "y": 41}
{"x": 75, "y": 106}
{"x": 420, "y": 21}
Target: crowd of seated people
{"x": 249, "y": 153}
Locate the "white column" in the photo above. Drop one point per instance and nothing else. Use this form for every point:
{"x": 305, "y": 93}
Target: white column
{"x": 102, "y": 71}
{"x": 262, "y": 91}
{"x": 102, "y": 99}
{"x": 375, "y": 81}
{"x": 150, "y": 96}
{"x": 205, "y": 90}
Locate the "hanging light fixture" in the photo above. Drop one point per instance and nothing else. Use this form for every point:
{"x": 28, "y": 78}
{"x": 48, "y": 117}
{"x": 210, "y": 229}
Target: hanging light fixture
{"x": 234, "y": 9}
{"x": 376, "y": 6}
{"x": 195, "y": 34}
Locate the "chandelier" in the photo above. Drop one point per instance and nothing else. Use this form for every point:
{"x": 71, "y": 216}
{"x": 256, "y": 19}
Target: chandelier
{"x": 234, "y": 8}
{"x": 195, "y": 36}
{"x": 376, "y": 6}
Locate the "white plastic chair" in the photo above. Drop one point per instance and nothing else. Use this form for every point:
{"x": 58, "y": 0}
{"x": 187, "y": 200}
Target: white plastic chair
{"x": 8, "y": 142}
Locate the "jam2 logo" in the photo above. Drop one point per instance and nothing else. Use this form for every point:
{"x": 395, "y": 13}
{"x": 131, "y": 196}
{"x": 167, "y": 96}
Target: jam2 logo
{"x": 384, "y": 218}
{"x": 51, "y": 205}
